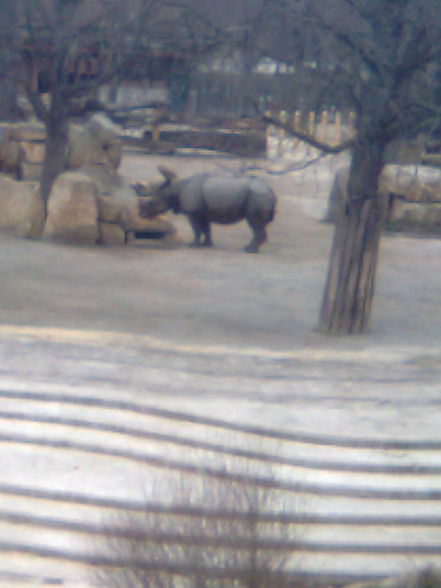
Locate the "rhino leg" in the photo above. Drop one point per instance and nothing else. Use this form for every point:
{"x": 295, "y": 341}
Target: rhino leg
{"x": 207, "y": 235}
{"x": 257, "y": 222}
{"x": 200, "y": 226}
{"x": 259, "y": 237}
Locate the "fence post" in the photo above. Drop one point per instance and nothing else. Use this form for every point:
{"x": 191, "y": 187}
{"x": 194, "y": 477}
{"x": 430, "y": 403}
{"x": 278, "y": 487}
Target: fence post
{"x": 323, "y": 126}
{"x": 351, "y": 123}
{"x": 337, "y": 128}
{"x": 310, "y": 124}
{"x": 283, "y": 117}
{"x": 296, "y": 121}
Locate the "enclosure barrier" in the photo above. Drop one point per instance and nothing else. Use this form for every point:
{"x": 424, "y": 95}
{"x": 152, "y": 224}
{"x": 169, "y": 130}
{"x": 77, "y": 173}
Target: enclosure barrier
{"x": 331, "y": 127}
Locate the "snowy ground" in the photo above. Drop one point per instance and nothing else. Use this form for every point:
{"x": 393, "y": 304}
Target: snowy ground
{"x": 182, "y": 349}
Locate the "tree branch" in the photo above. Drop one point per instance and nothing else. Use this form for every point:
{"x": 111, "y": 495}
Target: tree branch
{"x": 40, "y": 109}
{"x": 306, "y": 138}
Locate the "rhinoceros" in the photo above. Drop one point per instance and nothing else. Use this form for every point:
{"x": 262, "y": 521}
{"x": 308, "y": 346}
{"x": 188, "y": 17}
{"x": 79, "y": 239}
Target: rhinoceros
{"x": 212, "y": 197}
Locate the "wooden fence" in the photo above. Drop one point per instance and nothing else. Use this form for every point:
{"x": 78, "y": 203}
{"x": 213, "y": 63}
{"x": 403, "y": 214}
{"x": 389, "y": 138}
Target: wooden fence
{"x": 326, "y": 126}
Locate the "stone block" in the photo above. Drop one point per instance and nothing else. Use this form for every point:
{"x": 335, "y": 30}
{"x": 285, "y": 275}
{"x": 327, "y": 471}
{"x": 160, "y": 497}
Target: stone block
{"x": 73, "y": 210}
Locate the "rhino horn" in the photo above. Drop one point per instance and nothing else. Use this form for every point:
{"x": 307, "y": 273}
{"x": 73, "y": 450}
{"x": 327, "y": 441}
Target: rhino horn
{"x": 168, "y": 174}
{"x": 139, "y": 188}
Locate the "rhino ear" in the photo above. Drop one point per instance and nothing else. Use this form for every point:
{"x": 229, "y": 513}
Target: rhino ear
{"x": 168, "y": 174}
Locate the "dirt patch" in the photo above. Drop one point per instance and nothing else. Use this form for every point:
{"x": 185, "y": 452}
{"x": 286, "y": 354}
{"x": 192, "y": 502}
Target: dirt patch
{"x": 221, "y": 295}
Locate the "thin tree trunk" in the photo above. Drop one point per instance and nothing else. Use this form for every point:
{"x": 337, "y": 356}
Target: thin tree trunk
{"x": 347, "y": 301}
{"x": 57, "y": 135}
{"x": 9, "y": 63}
{"x": 9, "y": 110}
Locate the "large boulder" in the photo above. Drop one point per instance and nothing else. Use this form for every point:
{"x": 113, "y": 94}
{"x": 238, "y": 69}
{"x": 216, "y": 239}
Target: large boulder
{"x": 83, "y": 149}
{"x": 73, "y": 210}
{"x": 125, "y": 197}
{"x": 411, "y": 195}
{"x": 88, "y": 204}
{"x": 96, "y": 205}
{"x": 118, "y": 202}
{"x": 22, "y": 147}
{"x": 21, "y": 208}
{"x": 32, "y": 130}
{"x": 95, "y": 143}
{"x": 9, "y": 150}
{"x": 121, "y": 206}
{"x": 105, "y": 178}
{"x": 414, "y": 183}
{"x": 110, "y": 234}
{"x": 105, "y": 132}
{"x": 29, "y": 139}
{"x": 109, "y": 210}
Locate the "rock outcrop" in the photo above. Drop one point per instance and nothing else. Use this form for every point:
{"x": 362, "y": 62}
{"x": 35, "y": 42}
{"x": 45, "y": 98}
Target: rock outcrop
{"x": 97, "y": 206}
{"x": 90, "y": 203}
{"x": 73, "y": 210}
{"x": 95, "y": 143}
{"x": 21, "y": 208}
{"x": 22, "y": 147}
{"x": 411, "y": 196}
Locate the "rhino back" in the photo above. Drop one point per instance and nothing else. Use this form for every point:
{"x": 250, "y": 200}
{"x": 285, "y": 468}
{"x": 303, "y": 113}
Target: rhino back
{"x": 225, "y": 197}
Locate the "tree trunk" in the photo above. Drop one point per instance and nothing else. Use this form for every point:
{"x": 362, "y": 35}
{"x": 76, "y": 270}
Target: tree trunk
{"x": 9, "y": 110}
{"x": 349, "y": 290}
{"x": 57, "y": 136}
{"x": 9, "y": 63}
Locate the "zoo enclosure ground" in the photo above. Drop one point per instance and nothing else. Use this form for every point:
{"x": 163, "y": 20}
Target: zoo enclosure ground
{"x": 219, "y": 332}
{"x": 223, "y": 296}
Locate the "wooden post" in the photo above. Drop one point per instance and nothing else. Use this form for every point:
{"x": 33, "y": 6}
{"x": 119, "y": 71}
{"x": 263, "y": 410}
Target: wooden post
{"x": 351, "y": 124}
{"x": 323, "y": 126}
{"x": 156, "y": 132}
{"x": 296, "y": 121}
{"x": 283, "y": 117}
{"x": 310, "y": 131}
{"x": 337, "y": 128}
{"x": 310, "y": 123}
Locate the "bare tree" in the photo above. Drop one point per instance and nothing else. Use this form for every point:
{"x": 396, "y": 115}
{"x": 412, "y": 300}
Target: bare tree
{"x": 242, "y": 33}
{"x": 57, "y": 39}
{"x": 9, "y": 62}
{"x": 214, "y": 533}
{"x": 381, "y": 53}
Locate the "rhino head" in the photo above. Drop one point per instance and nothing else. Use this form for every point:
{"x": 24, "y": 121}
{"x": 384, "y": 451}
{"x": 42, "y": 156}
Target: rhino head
{"x": 162, "y": 196}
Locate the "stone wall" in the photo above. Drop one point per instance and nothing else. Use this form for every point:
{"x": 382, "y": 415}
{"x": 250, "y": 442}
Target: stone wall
{"x": 89, "y": 204}
{"x": 22, "y": 147}
{"x": 411, "y": 197}
{"x": 95, "y": 206}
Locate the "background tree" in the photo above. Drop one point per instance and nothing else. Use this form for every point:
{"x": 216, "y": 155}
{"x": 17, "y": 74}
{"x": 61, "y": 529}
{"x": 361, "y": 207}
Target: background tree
{"x": 9, "y": 62}
{"x": 244, "y": 32}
